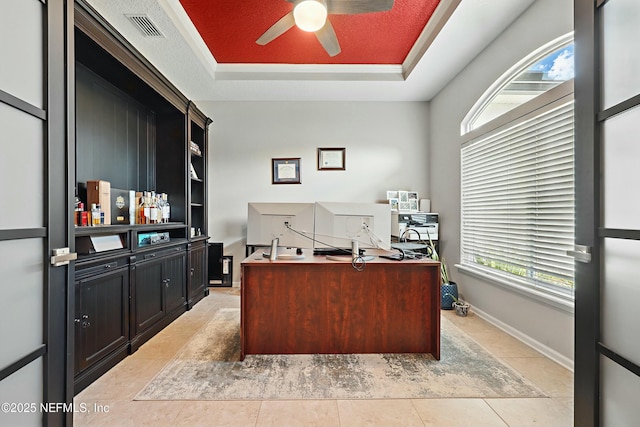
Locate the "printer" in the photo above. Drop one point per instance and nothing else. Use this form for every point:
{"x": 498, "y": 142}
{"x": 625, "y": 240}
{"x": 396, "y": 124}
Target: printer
{"x": 414, "y": 226}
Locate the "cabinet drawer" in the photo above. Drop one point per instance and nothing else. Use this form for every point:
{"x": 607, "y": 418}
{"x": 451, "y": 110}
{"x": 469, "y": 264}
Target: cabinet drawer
{"x": 102, "y": 267}
{"x": 151, "y": 255}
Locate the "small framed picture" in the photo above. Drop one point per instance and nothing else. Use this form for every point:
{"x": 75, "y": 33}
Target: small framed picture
{"x": 404, "y": 206}
{"x": 331, "y": 159}
{"x": 413, "y": 205}
{"x": 285, "y": 170}
{"x": 393, "y": 203}
{"x": 403, "y": 196}
{"x": 413, "y": 195}
{"x": 392, "y": 195}
{"x": 192, "y": 172}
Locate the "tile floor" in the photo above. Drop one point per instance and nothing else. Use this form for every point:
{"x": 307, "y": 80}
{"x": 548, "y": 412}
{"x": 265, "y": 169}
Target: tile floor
{"x": 110, "y": 398}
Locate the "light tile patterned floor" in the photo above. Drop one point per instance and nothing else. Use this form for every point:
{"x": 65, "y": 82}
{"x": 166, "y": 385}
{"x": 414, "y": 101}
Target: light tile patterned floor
{"x": 115, "y": 390}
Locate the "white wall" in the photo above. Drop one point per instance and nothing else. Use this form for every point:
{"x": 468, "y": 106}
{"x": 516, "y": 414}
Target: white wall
{"x": 387, "y": 148}
{"x": 548, "y": 327}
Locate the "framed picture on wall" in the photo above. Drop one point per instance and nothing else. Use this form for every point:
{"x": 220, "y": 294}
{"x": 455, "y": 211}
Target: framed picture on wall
{"x": 332, "y": 159}
{"x": 285, "y": 170}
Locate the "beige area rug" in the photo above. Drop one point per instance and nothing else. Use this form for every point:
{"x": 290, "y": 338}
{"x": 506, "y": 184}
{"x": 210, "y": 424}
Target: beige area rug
{"x": 208, "y": 368}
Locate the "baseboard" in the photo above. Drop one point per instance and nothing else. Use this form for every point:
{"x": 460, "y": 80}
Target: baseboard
{"x": 526, "y": 339}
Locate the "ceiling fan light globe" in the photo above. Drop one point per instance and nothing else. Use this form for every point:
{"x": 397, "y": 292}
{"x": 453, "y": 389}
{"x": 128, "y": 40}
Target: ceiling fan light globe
{"x": 310, "y": 15}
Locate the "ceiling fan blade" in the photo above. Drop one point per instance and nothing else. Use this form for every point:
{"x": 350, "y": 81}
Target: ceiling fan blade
{"x": 327, "y": 38}
{"x": 277, "y": 29}
{"x": 352, "y": 7}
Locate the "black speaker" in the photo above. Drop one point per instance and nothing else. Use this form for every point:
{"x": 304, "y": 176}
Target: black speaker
{"x": 227, "y": 271}
{"x": 215, "y": 263}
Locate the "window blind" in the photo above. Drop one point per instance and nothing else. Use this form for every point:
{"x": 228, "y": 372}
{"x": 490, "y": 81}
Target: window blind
{"x": 517, "y": 210}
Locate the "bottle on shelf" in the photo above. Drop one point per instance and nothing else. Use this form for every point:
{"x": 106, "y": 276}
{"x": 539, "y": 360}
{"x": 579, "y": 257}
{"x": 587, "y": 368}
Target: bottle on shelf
{"x": 153, "y": 208}
{"x": 141, "y": 217}
{"x": 147, "y": 208}
{"x": 95, "y": 215}
{"x": 166, "y": 208}
{"x": 77, "y": 212}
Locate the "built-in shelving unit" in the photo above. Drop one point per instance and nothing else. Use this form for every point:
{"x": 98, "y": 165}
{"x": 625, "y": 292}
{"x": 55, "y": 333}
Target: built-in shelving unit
{"x": 133, "y": 129}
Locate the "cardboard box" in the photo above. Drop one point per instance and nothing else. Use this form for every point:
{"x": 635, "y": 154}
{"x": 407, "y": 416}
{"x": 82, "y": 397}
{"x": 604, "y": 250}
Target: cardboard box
{"x": 99, "y": 192}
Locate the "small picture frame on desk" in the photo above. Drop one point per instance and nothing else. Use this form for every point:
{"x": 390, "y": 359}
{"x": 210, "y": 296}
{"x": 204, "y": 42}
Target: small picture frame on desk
{"x": 285, "y": 170}
{"x": 331, "y": 159}
{"x": 393, "y": 203}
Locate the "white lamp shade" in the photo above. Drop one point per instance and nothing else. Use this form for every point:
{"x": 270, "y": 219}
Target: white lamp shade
{"x": 310, "y": 15}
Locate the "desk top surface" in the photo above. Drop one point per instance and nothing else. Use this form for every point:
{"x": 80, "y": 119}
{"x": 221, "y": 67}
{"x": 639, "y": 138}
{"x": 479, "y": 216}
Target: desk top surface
{"x": 258, "y": 258}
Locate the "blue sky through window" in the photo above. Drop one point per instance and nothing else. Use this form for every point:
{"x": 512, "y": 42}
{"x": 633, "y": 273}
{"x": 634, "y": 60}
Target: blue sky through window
{"x": 557, "y": 66}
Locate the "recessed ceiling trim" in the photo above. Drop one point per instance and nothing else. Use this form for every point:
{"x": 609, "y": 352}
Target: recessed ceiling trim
{"x": 330, "y": 72}
{"x": 438, "y": 20}
{"x": 180, "y": 19}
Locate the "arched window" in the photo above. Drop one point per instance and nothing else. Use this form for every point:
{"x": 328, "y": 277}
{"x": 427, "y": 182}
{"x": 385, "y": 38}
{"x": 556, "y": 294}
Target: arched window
{"x": 517, "y": 177}
{"x": 542, "y": 70}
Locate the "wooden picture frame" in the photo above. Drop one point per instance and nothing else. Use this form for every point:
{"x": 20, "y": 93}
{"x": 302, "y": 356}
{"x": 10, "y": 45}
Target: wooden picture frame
{"x": 285, "y": 170}
{"x": 332, "y": 159}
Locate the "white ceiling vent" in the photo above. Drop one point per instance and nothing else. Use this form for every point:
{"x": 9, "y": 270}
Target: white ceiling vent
{"x": 145, "y": 25}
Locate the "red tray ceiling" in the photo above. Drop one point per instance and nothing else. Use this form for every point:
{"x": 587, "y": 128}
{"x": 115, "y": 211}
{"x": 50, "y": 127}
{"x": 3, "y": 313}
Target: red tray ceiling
{"x": 230, "y": 29}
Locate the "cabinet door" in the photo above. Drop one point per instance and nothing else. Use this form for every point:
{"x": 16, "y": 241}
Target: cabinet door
{"x": 175, "y": 281}
{"x": 102, "y": 321}
{"x": 149, "y": 292}
{"x": 198, "y": 272}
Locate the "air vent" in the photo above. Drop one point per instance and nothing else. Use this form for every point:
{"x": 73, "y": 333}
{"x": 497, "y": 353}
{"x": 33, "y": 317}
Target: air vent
{"x": 145, "y": 25}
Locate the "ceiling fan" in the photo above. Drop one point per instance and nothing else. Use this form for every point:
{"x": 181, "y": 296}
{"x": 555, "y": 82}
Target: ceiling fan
{"x": 311, "y": 16}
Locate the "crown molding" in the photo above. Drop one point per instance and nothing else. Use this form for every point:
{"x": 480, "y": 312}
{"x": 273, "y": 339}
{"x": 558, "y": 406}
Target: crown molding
{"x": 327, "y": 72}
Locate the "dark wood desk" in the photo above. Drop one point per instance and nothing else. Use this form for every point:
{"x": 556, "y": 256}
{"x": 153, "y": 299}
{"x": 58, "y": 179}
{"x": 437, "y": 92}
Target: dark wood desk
{"x": 317, "y": 305}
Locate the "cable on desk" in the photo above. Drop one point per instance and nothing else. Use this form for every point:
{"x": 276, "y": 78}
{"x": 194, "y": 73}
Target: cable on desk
{"x": 358, "y": 262}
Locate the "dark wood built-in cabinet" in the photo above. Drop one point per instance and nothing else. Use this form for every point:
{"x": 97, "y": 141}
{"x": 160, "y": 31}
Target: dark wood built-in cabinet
{"x": 160, "y": 293}
{"x": 198, "y": 274}
{"x": 101, "y": 316}
{"x": 135, "y": 130}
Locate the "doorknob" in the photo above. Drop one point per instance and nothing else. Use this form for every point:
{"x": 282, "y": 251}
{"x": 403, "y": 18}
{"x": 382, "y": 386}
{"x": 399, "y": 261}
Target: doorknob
{"x": 581, "y": 253}
{"x": 62, "y": 256}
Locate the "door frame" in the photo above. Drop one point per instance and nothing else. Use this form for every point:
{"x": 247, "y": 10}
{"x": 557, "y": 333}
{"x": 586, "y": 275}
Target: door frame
{"x": 59, "y": 194}
{"x": 589, "y": 119}
{"x": 587, "y": 298}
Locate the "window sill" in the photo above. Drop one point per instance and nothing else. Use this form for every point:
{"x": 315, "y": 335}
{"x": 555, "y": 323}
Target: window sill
{"x": 565, "y": 303}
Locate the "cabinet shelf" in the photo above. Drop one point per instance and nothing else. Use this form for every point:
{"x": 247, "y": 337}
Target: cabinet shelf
{"x": 109, "y": 229}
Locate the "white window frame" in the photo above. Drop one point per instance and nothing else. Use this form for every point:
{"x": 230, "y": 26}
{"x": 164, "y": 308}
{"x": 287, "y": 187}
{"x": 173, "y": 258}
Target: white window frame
{"x": 545, "y": 102}
{"x": 468, "y": 123}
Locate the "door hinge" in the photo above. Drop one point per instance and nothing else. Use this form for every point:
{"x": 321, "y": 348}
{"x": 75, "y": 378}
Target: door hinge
{"x": 62, "y": 256}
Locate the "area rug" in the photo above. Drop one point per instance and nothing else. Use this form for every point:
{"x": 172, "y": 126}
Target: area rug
{"x": 208, "y": 368}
